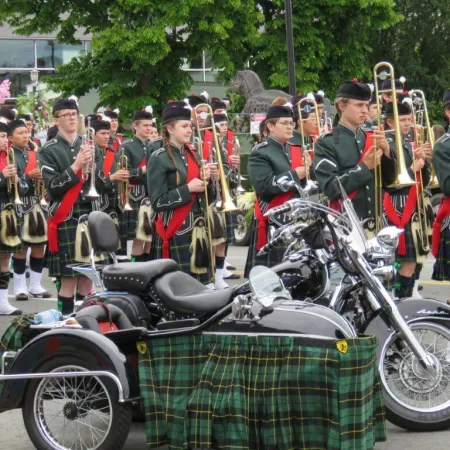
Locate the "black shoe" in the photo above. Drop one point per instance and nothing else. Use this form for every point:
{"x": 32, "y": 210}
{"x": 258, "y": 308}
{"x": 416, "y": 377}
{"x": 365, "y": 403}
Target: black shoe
{"x": 44, "y": 294}
{"x": 231, "y": 268}
{"x": 233, "y": 276}
{"x": 16, "y": 312}
{"x": 21, "y": 297}
{"x": 420, "y": 287}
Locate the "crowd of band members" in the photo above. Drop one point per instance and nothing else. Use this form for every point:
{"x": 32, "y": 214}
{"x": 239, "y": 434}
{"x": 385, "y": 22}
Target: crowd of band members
{"x": 170, "y": 178}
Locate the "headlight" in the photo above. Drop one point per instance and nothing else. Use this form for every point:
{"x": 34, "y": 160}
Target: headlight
{"x": 388, "y": 238}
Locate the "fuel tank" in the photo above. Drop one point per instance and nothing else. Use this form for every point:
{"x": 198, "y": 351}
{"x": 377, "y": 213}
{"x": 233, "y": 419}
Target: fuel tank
{"x": 290, "y": 317}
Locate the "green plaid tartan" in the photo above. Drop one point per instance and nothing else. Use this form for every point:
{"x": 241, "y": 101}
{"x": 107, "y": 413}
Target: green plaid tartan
{"x": 263, "y": 393}
{"x": 230, "y": 219}
{"x": 441, "y": 268}
{"x": 16, "y": 334}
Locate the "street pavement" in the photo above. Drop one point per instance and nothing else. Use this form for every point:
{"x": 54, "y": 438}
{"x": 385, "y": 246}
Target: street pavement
{"x": 14, "y": 437}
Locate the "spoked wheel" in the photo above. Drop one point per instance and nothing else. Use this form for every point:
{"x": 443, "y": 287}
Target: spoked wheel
{"x": 241, "y": 231}
{"x": 414, "y": 398}
{"x": 74, "y": 413}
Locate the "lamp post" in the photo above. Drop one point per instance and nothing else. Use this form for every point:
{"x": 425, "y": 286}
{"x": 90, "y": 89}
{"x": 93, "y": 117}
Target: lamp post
{"x": 34, "y": 75}
{"x": 290, "y": 47}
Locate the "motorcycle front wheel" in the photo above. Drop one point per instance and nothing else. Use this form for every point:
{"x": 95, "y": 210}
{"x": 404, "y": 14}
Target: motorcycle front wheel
{"x": 415, "y": 399}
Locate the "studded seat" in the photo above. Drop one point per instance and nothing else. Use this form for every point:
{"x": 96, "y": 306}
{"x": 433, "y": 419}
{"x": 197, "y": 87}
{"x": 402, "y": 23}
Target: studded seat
{"x": 136, "y": 277}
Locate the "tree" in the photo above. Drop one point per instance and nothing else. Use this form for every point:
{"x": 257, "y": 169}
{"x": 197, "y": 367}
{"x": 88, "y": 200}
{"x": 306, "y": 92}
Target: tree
{"x": 332, "y": 41}
{"x": 139, "y": 46}
{"x": 418, "y": 47}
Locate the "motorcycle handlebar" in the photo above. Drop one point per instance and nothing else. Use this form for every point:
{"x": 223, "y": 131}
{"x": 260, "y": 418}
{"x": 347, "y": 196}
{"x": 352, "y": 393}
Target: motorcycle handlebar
{"x": 271, "y": 245}
{"x": 286, "y": 207}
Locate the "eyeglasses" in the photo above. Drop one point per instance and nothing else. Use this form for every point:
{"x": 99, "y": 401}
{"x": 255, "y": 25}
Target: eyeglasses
{"x": 68, "y": 115}
{"x": 286, "y": 123}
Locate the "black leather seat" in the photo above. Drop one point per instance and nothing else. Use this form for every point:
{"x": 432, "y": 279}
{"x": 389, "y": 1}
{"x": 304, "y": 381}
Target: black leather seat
{"x": 183, "y": 294}
{"x": 103, "y": 232}
{"x": 136, "y": 277}
{"x": 90, "y": 317}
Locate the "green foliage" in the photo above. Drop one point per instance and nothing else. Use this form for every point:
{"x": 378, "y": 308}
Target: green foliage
{"x": 332, "y": 40}
{"x": 37, "y": 103}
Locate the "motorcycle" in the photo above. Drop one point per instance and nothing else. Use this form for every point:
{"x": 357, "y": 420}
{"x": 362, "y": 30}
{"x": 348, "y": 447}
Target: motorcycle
{"x": 413, "y": 333}
{"x": 76, "y": 384}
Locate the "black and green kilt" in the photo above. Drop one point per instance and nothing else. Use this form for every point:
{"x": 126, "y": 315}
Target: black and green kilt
{"x": 258, "y": 392}
{"x": 230, "y": 219}
{"x": 441, "y": 268}
{"x": 18, "y": 248}
{"x": 180, "y": 251}
{"x": 270, "y": 259}
{"x": 57, "y": 262}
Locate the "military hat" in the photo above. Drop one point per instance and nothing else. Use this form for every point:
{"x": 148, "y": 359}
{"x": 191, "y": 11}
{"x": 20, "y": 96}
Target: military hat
{"x": 277, "y": 112}
{"x": 7, "y": 113}
{"x": 307, "y": 106}
{"x": 404, "y": 106}
{"x": 26, "y": 117}
{"x": 399, "y": 84}
{"x": 98, "y": 125}
{"x": 195, "y": 100}
{"x": 354, "y": 90}
{"x": 142, "y": 114}
{"x": 64, "y": 103}
{"x": 111, "y": 114}
{"x": 446, "y": 98}
{"x": 216, "y": 104}
{"x": 3, "y": 127}
{"x": 319, "y": 97}
{"x": 220, "y": 118}
{"x": 176, "y": 111}
{"x": 92, "y": 117}
{"x": 15, "y": 124}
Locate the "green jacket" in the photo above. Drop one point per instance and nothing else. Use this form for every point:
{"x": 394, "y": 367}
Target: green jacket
{"x": 26, "y": 184}
{"x": 56, "y": 158}
{"x": 441, "y": 163}
{"x": 154, "y": 145}
{"x": 337, "y": 154}
{"x": 164, "y": 192}
{"x": 269, "y": 164}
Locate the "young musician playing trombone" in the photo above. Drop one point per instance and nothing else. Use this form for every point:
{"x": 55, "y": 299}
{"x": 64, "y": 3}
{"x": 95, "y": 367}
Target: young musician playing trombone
{"x": 348, "y": 153}
{"x": 73, "y": 179}
{"x": 180, "y": 192}
{"x": 9, "y": 235}
{"x": 403, "y": 205}
{"x": 30, "y": 213}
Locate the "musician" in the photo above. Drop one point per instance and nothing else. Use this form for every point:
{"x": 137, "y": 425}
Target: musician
{"x": 348, "y": 154}
{"x": 401, "y": 204}
{"x": 154, "y": 131}
{"x": 9, "y": 239}
{"x": 372, "y": 113}
{"x": 30, "y": 215}
{"x": 441, "y": 226}
{"x": 199, "y": 115}
{"x": 63, "y": 161}
{"x": 138, "y": 220}
{"x": 176, "y": 189}
{"x": 271, "y": 164}
{"x": 115, "y": 138}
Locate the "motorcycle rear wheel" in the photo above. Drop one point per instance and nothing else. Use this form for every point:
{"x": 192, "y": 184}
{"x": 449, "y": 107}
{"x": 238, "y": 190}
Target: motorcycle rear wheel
{"x": 414, "y": 399}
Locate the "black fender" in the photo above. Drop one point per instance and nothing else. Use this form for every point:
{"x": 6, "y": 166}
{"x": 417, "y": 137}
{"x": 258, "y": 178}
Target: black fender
{"x": 98, "y": 350}
{"x": 412, "y": 310}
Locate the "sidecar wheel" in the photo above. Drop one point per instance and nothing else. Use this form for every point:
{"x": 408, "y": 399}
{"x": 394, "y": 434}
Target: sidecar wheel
{"x": 74, "y": 413}
{"x": 415, "y": 399}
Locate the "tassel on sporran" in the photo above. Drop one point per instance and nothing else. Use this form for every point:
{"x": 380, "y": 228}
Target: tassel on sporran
{"x": 200, "y": 258}
{"x": 219, "y": 227}
{"x": 115, "y": 219}
{"x": 8, "y": 221}
{"x": 83, "y": 243}
{"x": 421, "y": 252}
{"x": 144, "y": 230}
{"x": 34, "y": 226}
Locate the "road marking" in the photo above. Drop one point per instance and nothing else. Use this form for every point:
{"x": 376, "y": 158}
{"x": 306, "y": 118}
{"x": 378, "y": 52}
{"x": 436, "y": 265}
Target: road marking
{"x": 435, "y": 283}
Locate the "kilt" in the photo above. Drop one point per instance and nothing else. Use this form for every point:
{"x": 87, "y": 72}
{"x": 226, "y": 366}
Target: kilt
{"x": 57, "y": 262}
{"x": 259, "y": 392}
{"x": 270, "y": 259}
{"x": 441, "y": 268}
{"x": 180, "y": 251}
{"x": 18, "y": 248}
{"x": 230, "y": 219}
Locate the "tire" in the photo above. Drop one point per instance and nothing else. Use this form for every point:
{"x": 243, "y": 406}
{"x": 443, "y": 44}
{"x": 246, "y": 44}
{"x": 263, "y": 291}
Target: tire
{"x": 91, "y": 415}
{"x": 408, "y": 389}
{"x": 435, "y": 201}
{"x": 242, "y": 231}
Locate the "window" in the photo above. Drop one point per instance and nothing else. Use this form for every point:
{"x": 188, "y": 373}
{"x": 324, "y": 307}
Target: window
{"x": 50, "y": 54}
{"x": 16, "y": 53}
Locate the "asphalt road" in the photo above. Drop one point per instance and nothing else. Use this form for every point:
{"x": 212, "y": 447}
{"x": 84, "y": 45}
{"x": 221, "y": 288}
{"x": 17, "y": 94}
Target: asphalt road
{"x": 14, "y": 437}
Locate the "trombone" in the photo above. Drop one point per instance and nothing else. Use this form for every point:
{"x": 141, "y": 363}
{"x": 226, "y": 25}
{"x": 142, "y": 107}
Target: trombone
{"x": 418, "y": 116}
{"x": 307, "y": 109}
{"x": 89, "y": 168}
{"x": 12, "y": 182}
{"x": 237, "y": 151}
{"x": 124, "y": 186}
{"x": 41, "y": 191}
{"x": 383, "y": 71}
{"x": 227, "y": 204}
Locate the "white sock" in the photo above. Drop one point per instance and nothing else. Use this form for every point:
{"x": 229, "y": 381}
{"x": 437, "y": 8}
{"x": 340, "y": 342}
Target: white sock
{"x": 35, "y": 282}
{"x": 226, "y": 272}
{"x": 219, "y": 274}
{"x": 20, "y": 284}
{"x": 5, "y": 307}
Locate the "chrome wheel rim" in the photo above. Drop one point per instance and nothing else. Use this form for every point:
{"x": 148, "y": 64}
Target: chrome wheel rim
{"x": 406, "y": 381}
{"x": 73, "y": 413}
{"x": 241, "y": 227}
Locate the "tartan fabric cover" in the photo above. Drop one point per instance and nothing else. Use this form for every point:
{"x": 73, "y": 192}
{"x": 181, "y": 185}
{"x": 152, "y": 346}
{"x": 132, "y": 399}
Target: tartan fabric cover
{"x": 263, "y": 393}
{"x": 441, "y": 268}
